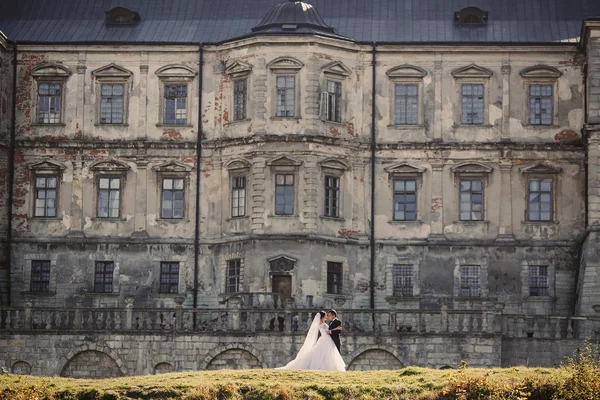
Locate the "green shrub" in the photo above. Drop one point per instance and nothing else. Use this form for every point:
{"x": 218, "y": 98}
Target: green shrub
{"x": 583, "y": 382}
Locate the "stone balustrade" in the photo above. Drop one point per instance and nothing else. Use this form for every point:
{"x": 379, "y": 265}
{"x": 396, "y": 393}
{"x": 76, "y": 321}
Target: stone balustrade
{"x": 291, "y": 320}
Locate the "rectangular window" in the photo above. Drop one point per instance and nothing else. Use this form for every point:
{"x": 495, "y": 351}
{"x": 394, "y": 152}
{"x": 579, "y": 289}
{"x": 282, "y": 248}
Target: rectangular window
{"x": 103, "y": 277}
{"x": 405, "y": 200}
{"x": 540, "y": 200}
{"x": 471, "y": 200}
{"x": 175, "y": 104}
{"x": 284, "y": 194}
{"x": 540, "y": 104}
{"x": 402, "y": 277}
{"x": 332, "y": 196}
{"x": 45, "y": 196}
{"x": 172, "y": 198}
{"x": 472, "y": 108}
{"x": 240, "y": 99}
{"x": 331, "y": 102}
{"x": 238, "y": 196}
{"x": 112, "y": 103}
{"x": 286, "y": 96}
{"x": 169, "y": 277}
{"x": 233, "y": 276}
{"x": 334, "y": 277}
{"x": 469, "y": 281}
{"x": 406, "y": 104}
{"x": 40, "y": 276}
{"x": 49, "y": 103}
{"x": 538, "y": 280}
{"x": 109, "y": 198}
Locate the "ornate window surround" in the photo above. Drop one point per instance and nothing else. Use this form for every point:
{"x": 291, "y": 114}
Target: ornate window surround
{"x": 405, "y": 170}
{"x": 112, "y": 74}
{"x": 176, "y": 74}
{"x": 472, "y": 74}
{"x": 173, "y": 169}
{"x": 471, "y": 170}
{"x": 286, "y": 66}
{"x": 541, "y": 75}
{"x": 406, "y": 74}
{"x": 47, "y": 167}
{"x": 50, "y": 73}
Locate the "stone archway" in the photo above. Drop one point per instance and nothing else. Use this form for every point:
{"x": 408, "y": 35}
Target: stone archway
{"x": 233, "y": 356}
{"x": 374, "y": 359}
{"x": 91, "y": 364}
{"x": 163, "y": 368}
{"x": 21, "y": 368}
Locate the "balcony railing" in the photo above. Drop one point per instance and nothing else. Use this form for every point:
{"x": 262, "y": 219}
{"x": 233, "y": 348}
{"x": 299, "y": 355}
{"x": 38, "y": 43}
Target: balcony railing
{"x": 290, "y": 321}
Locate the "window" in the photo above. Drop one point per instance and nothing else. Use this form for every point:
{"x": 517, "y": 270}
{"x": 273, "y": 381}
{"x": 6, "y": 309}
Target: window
{"x": 169, "y": 277}
{"x": 172, "y": 198}
{"x": 112, "y": 103}
{"x": 540, "y": 104}
{"x": 406, "y": 104}
{"x": 49, "y": 103}
{"x": 175, "y": 104}
{"x": 471, "y": 200}
{"x": 233, "y": 276}
{"x": 405, "y": 200}
{"x": 402, "y": 277}
{"x": 286, "y": 96}
{"x": 332, "y": 196}
{"x": 538, "y": 280}
{"x": 470, "y": 281}
{"x": 40, "y": 276}
{"x": 284, "y": 194}
{"x": 109, "y": 197}
{"x": 45, "y": 196}
{"x": 472, "y": 107}
{"x": 103, "y": 277}
{"x": 240, "y": 98}
{"x": 539, "y": 200}
{"x": 334, "y": 277}
{"x": 331, "y": 102}
{"x": 238, "y": 196}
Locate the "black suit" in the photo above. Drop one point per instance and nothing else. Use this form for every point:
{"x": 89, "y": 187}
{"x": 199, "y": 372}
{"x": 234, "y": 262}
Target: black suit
{"x": 335, "y": 335}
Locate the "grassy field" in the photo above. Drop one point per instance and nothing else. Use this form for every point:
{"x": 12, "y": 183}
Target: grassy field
{"x": 407, "y": 383}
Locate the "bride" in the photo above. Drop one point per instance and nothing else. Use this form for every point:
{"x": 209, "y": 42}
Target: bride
{"x": 318, "y": 353}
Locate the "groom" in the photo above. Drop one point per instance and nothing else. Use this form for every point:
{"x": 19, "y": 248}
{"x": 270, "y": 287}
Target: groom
{"x": 334, "y": 323}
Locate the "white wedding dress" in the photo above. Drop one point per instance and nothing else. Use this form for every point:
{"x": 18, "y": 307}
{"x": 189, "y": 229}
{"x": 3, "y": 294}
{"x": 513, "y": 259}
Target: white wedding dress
{"x": 318, "y": 353}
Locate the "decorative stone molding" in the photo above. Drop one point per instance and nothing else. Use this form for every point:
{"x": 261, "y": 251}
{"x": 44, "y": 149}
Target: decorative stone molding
{"x": 176, "y": 70}
{"x": 112, "y": 70}
{"x": 336, "y": 68}
{"x": 172, "y": 166}
{"x": 110, "y": 165}
{"x": 406, "y": 71}
{"x": 239, "y": 69}
{"x": 285, "y": 64}
{"x": 540, "y": 71}
{"x": 472, "y": 71}
{"x": 542, "y": 167}
{"x": 50, "y": 70}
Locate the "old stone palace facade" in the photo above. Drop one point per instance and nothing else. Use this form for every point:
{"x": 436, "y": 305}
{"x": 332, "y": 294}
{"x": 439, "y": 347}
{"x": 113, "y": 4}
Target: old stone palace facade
{"x": 181, "y": 188}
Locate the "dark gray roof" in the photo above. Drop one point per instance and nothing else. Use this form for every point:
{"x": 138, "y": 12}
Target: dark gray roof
{"x": 186, "y": 21}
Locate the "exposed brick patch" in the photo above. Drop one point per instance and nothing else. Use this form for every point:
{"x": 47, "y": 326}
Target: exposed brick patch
{"x": 566, "y": 135}
{"x": 333, "y": 131}
{"x": 171, "y": 134}
{"x": 436, "y": 204}
{"x": 350, "y": 128}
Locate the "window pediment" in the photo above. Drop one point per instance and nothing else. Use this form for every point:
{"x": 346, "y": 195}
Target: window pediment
{"x": 540, "y": 71}
{"x": 172, "y": 166}
{"x": 284, "y": 64}
{"x": 472, "y": 71}
{"x": 175, "y": 70}
{"x": 406, "y": 71}
{"x": 334, "y": 163}
{"x": 471, "y": 168}
{"x": 284, "y": 161}
{"x": 239, "y": 68}
{"x": 281, "y": 264}
{"x": 109, "y": 166}
{"x": 238, "y": 163}
{"x": 405, "y": 168}
{"x": 112, "y": 71}
{"x": 541, "y": 168}
{"x": 336, "y": 68}
{"x": 47, "y": 165}
{"x": 50, "y": 70}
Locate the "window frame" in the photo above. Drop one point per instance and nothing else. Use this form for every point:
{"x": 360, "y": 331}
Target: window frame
{"x": 112, "y": 74}
{"x": 43, "y": 282}
{"x": 110, "y": 177}
{"x": 481, "y": 192}
{"x": 50, "y": 73}
{"x": 395, "y": 267}
{"x": 483, "y": 264}
{"x": 471, "y": 171}
{"x": 541, "y": 171}
{"x": 406, "y": 74}
{"x": 335, "y": 168}
{"x": 339, "y": 284}
{"x": 531, "y": 268}
{"x": 46, "y": 168}
{"x": 172, "y": 170}
{"x": 405, "y": 192}
{"x": 177, "y": 98}
{"x": 162, "y": 284}
{"x": 473, "y": 98}
{"x": 469, "y": 288}
{"x": 233, "y": 189}
{"x": 236, "y": 168}
{"x": 244, "y": 98}
{"x": 406, "y": 171}
{"x": 285, "y": 184}
{"x": 288, "y": 67}
{"x": 97, "y": 263}
{"x": 328, "y": 98}
{"x": 175, "y": 75}
{"x": 540, "y": 75}
{"x": 183, "y": 191}
{"x": 284, "y": 165}
{"x": 337, "y": 190}
{"x": 407, "y": 96}
{"x": 551, "y": 192}
{"x": 472, "y": 75}
{"x": 236, "y": 263}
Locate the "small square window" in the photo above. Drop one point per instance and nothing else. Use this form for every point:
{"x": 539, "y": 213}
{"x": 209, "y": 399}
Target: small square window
{"x": 169, "y": 277}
